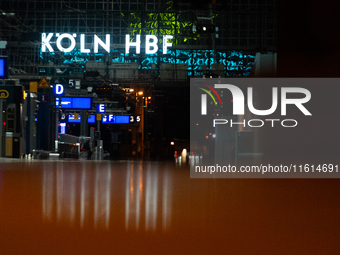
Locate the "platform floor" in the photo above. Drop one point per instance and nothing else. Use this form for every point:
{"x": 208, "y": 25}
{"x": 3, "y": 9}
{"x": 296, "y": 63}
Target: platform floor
{"x": 89, "y": 207}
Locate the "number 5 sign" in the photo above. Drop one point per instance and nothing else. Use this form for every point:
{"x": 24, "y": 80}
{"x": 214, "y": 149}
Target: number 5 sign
{"x": 72, "y": 83}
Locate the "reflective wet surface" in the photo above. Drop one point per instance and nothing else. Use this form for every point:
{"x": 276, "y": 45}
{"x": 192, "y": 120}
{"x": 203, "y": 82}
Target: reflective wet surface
{"x": 88, "y": 207}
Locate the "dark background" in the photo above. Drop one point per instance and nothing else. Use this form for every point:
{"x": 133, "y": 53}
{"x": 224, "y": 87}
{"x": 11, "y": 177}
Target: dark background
{"x": 308, "y": 38}
{"x": 308, "y": 46}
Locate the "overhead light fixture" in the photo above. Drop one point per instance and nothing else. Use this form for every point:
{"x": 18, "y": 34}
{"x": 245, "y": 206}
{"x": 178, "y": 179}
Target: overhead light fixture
{"x": 205, "y": 28}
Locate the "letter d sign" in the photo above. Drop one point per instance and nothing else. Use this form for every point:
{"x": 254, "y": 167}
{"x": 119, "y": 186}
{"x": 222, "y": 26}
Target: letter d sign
{"x": 58, "y": 90}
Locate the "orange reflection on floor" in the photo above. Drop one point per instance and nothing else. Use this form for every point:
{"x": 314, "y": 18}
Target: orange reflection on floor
{"x": 89, "y": 207}
{"x": 83, "y": 196}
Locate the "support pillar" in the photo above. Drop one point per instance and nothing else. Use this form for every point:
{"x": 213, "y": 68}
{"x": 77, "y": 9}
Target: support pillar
{"x": 2, "y": 129}
{"x": 83, "y": 123}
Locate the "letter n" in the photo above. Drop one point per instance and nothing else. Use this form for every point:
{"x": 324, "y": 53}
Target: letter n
{"x": 238, "y": 97}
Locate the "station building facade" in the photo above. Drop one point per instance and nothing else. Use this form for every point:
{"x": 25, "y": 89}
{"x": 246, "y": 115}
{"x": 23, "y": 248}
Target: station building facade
{"x": 134, "y": 57}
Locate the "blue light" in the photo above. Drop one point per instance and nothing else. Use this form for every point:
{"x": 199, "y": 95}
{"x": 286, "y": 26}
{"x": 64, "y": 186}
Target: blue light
{"x": 233, "y": 61}
{"x": 71, "y": 119}
{"x": 62, "y": 128}
{"x": 2, "y": 67}
{"x": 82, "y": 103}
{"x": 122, "y": 119}
{"x": 116, "y": 119}
{"x": 76, "y": 103}
{"x": 92, "y": 119}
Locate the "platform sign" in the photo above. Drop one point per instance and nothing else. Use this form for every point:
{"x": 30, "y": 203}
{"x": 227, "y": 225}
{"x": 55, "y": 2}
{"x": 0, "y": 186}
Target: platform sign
{"x": 72, "y": 119}
{"x": 58, "y": 90}
{"x": 134, "y": 119}
{"x": 71, "y": 84}
{"x": 3, "y": 68}
{"x": 100, "y": 108}
{"x": 82, "y": 103}
{"x": 92, "y": 118}
{"x": 116, "y": 119}
{"x": 43, "y": 84}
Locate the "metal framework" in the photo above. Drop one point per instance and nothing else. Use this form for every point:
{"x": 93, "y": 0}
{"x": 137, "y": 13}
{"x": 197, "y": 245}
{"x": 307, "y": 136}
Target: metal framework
{"x": 244, "y": 27}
